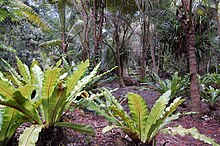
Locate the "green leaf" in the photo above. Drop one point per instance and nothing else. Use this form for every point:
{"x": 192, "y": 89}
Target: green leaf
{"x": 30, "y": 135}
{"x": 11, "y": 120}
{"x": 24, "y": 71}
{"x": 26, "y": 90}
{"x": 17, "y": 101}
{"x": 82, "y": 83}
{"x": 37, "y": 79}
{"x": 56, "y": 103}
{"x": 192, "y": 131}
{"x": 91, "y": 105}
{"x": 76, "y": 127}
{"x": 165, "y": 119}
{"x": 156, "y": 112}
{"x": 124, "y": 117}
{"x": 31, "y": 15}
{"x": 17, "y": 78}
{"x": 139, "y": 112}
{"x": 75, "y": 77}
{"x": 6, "y": 89}
{"x": 51, "y": 43}
{"x": 111, "y": 99}
{"x": 50, "y": 81}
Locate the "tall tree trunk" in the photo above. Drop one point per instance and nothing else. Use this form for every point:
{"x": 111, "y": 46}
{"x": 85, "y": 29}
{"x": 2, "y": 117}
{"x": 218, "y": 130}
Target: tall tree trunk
{"x": 118, "y": 56}
{"x": 85, "y": 45}
{"x": 150, "y": 40}
{"x": 98, "y": 19}
{"x": 187, "y": 19}
{"x": 118, "y": 63}
{"x": 217, "y": 18}
{"x": 144, "y": 48}
{"x": 194, "y": 85}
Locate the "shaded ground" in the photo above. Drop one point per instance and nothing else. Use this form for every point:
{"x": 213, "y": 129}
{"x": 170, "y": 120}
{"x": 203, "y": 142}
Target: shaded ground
{"x": 208, "y": 125}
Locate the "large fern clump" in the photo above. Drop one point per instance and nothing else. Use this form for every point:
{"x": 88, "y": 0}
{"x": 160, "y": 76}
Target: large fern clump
{"x": 141, "y": 125}
{"x": 40, "y": 97}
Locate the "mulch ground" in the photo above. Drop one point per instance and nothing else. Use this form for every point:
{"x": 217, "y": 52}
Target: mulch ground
{"x": 206, "y": 125}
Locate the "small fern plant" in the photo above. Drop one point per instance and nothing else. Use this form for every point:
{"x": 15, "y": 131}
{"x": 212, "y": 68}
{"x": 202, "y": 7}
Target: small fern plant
{"x": 39, "y": 97}
{"x": 177, "y": 84}
{"x": 141, "y": 125}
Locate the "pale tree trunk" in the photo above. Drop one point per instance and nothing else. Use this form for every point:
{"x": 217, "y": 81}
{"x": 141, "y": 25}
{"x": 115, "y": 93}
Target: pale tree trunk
{"x": 150, "y": 40}
{"x": 118, "y": 62}
{"x": 116, "y": 38}
{"x": 145, "y": 25}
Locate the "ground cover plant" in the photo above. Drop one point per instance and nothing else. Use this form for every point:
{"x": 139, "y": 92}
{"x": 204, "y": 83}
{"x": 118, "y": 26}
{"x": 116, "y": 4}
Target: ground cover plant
{"x": 176, "y": 84}
{"x": 39, "y": 97}
{"x": 210, "y": 91}
{"x": 177, "y": 40}
{"x": 141, "y": 125}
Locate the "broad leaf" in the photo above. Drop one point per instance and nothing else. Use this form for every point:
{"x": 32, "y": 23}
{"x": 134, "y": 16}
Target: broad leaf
{"x": 76, "y": 127}
{"x": 26, "y": 90}
{"x": 139, "y": 112}
{"x": 75, "y": 77}
{"x": 50, "y": 81}
{"x": 14, "y": 74}
{"x": 82, "y": 83}
{"x": 192, "y": 131}
{"x": 51, "y": 43}
{"x": 124, "y": 117}
{"x": 6, "y": 89}
{"x": 24, "y": 71}
{"x": 17, "y": 101}
{"x": 30, "y": 135}
{"x": 156, "y": 112}
{"x": 91, "y": 105}
{"x": 56, "y": 103}
{"x": 37, "y": 78}
{"x": 11, "y": 120}
{"x": 165, "y": 119}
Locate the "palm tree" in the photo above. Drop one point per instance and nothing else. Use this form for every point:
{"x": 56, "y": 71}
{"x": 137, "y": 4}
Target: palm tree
{"x": 187, "y": 18}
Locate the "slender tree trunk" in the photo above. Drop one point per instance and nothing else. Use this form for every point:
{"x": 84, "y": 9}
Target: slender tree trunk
{"x": 144, "y": 48}
{"x": 217, "y": 18}
{"x": 98, "y": 16}
{"x": 86, "y": 50}
{"x": 119, "y": 69}
{"x": 117, "y": 59}
{"x": 150, "y": 40}
{"x": 194, "y": 85}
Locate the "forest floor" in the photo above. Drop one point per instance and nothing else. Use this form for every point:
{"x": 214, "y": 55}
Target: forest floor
{"x": 206, "y": 125}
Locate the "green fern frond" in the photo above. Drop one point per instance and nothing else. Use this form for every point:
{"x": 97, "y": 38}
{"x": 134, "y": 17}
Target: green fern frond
{"x": 31, "y": 15}
{"x": 50, "y": 81}
{"x": 24, "y": 71}
{"x": 51, "y": 43}
{"x": 30, "y": 135}
{"x": 156, "y": 113}
{"x": 77, "y": 74}
{"x": 139, "y": 112}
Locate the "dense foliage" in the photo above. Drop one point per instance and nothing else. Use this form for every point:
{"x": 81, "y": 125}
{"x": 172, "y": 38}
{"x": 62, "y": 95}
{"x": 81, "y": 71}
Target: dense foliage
{"x": 58, "y": 44}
